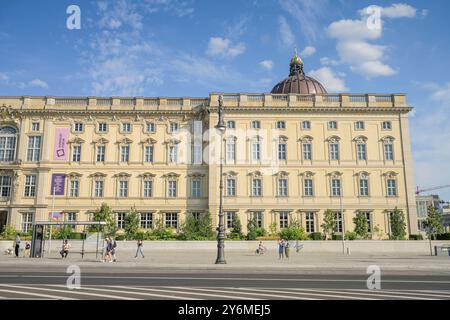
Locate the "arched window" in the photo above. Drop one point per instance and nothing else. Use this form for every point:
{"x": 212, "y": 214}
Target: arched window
{"x": 8, "y": 138}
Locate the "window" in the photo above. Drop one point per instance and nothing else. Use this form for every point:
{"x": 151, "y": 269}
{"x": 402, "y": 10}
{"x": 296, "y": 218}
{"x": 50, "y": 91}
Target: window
{"x": 102, "y": 127}
{"x": 148, "y": 154}
{"x": 172, "y": 189}
{"x": 197, "y": 153}
{"x": 231, "y": 187}
{"x": 126, "y": 127}
{"x": 71, "y": 217}
{"x": 306, "y": 125}
{"x": 148, "y": 188}
{"x": 334, "y": 151}
{"x": 281, "y": 125}
{"x": 388, "y": 151}
{"x": 231, "y": 150}
{"x": 101, "y": 153}
{"x": 34, "y": 148}
{"x": 35, "y": 126}
{"x": 338, "y": 221}
{"x": 336, "y": 187}
{"x": 125, "y": 153}
{"x": 123, "y": 188}
{"x": 284, "y": 219}
{"x": 386, "y": 125}
{"x": 282, "y": 151}
{"x": 173, "y": 127}
{"x": 363, "y": 186}
{"x": 74, "y": 187}
{"x": 368, "y": 217}
{"x": 230, "y": 216}
{"x": 361, "y": 151}
{"x": 231, "y": 124}
{"x": 173, "y": 154}
{"x": 256, "y": 187}
{"x": 196, "y": 188}
{"x": 307, "y": 151}
{"x": 332, "y": 125}
{"x": 121, "y": 220}
{"x": 151, "y": 127}
{"x": 172, "y": 220}
{"x": 146, "y": 219}
{"x": 282, "y": 187}
{"x": 256, "y": 124}
{"x": 256, "y": 150}
{"x": 78, "y": 127}
{"x": 309, "y": 219}
{"x": 196, "y": 215}
{"x": 7, "y": 143}
{"x": 359, "y": 125}
{"x": 30, "y": 186}
{"x": 98, "y": 188}
{"x": 308, "y": 187}
{"x": 76, "y": 153}
{"x": 258, "y": 217}
{"x": 5, "y": 186}
{"x": 391, "y": 187}
{"x": 27, "y": 221}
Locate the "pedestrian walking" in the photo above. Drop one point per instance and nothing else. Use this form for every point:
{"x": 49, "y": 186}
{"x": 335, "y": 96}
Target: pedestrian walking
{"x": 26, "y": 252}
{"x": 65, "y": 249}
{"x": 281, "y": 244}
{"x": 140, "y": 248}
{"x": 286, "y": 249}
{"x": 17, "y": 246}
{"x": 109, "y": 248}
{"x": 113, "y": 251}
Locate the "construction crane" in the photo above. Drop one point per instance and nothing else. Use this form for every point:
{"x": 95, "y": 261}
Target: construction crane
{"x": 419, "y": 191}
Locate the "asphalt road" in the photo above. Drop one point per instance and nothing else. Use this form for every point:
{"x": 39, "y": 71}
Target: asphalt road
{"x": 121, "y": 283}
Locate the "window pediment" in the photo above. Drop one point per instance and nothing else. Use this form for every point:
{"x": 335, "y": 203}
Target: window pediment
{"x": 360, "y": 139}
{"x": 125, "y": 141}
{"x": 306, "y": 139}
{"x": 333, "y": 139}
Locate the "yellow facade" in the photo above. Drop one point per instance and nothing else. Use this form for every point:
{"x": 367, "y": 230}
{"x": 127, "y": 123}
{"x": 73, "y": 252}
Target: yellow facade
{"x": 369, "y": 119}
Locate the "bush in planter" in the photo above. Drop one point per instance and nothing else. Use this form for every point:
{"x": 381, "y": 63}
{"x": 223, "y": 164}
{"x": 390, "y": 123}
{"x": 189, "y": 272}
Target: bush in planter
{"x": 349, "y": 235}
{"x": 315, "y": 236}
{"x": 415, "y": 237}
{"x": 293, "y": 232}
{"x": 443, "y": 236}
{"x": 8, "y": 233}
{"x": 337, "y": 237}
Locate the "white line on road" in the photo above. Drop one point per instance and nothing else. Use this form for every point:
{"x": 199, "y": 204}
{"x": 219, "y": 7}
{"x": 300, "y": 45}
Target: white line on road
{"x": 136, "y": 293}
{"x": 40, "y": 295}
{"x": 403, "y": 293}
{"x": 365, "y": 293}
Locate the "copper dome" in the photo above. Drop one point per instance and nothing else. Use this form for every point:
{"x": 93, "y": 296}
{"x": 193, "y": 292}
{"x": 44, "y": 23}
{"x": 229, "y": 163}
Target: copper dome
{"x": 298, "y": 82}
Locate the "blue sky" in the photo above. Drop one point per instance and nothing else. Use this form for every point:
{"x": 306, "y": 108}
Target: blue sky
{"x": 192, "y": 48}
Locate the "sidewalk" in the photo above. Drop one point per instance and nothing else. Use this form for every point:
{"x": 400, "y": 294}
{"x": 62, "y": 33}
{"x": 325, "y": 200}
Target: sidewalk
{"x": 238, "y": 260}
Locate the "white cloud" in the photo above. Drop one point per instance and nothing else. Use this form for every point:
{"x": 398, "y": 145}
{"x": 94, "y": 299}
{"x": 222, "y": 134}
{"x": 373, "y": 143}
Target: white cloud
{"x": 218, "y": 46}
{"x": 308, "y": 51}
{"x": 286, "y": 36}
{"x": 38, "y": 83}
{"x": 373, "y": 69}
{"x": 328, "y": 61}
{"x": 329, "y": 80}
{"x": 4, "y": 77}
{"x": 352, "y": 30}
{"x": 266, "y": 64}
{"x": 397, "y": 10}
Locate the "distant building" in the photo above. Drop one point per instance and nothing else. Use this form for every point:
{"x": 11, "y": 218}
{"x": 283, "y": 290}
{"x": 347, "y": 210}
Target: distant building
{"x": 423, "y": 202}
{"x": 446, "y": 216}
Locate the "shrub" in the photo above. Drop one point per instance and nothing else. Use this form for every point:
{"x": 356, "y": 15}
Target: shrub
{"x": 120, "y": 237}
{"x": 253, "y": 231}
{"x": 415, "y": 237}
{"x": 329, "y": 223}
{"x": 337, "y": 237}
{"x": 361, "y": 226}
{"x": 315, "y": 236}
{"x": 349, "y": 235}
{"x": 8, "y": 233}
{"x": 398, "y": 225}
{"x": 267, "y": 238}
{"x": 197, "y": 229}
{"x": 131, "y": 224}
{"x": 443, "y": 236}
{"x": 293, "y": 232}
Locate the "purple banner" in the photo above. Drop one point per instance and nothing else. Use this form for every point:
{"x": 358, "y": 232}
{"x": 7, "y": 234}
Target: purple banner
{"x": 61, "y": 137}
{"x": 58, "y": 182}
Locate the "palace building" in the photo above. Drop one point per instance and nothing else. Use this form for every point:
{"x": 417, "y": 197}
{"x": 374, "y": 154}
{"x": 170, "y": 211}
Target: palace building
{"x": 288, "y": 155}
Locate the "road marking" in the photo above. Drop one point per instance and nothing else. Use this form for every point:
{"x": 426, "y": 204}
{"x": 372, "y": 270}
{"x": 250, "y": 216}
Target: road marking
{"x": 137, "y": 293}
{"x": 309, "y": 293}
{"x": 71, "y": 292}
{"x": 446, "y": 293}
{"x": 403, "y": 293}
{"x": 183, "y": 292}
{"x": 365, "y": 293}
{"x": 40, "y": 295}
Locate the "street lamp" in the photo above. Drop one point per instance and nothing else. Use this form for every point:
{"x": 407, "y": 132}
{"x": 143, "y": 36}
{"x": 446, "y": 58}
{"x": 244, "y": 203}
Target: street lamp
{"x": 342, "y": 221}
{"x": 220, "y": 127}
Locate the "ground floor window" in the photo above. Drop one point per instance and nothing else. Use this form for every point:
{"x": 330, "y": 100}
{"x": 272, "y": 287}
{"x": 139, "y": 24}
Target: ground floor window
{"x": 369, "y": 220}
{"x": 146, "y": 219}
{"x": 338, "y": 221}
{"x": 71, "y": 217}
{"x": 121, "y": 220}
{"x": 172, "y": 220}
{"x": 27, "y": 221}
{"x": 284, "y": 219}
{"x": 309, "y": 219}
{"x": 230, "y": 216}
{"x": 258, "y": 216}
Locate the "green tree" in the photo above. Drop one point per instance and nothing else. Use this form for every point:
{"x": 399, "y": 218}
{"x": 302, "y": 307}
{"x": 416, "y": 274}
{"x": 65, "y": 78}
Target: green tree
{"x": 433, "y": 223}
{"x": 197, "y": 228}
{"x": 253, "y": 230}
{"x": 236, "y": 232}
{"x": 104, "y": 213}
{"x": 132, "y": 224}
{"x": 293, "y": 232}
{"x": 361, "y": 225}
{"x": 398, "y": 225}
{"x": 205, "y": 229}
{"x": 329, "y": 224}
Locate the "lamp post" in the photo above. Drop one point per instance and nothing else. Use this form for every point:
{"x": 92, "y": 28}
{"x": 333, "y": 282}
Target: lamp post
{"x": 342, "y": 221}
{"x": 220, "y": 127}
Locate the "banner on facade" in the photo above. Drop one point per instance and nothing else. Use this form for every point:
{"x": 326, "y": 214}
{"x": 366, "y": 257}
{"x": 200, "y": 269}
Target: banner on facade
{"x": 56, "y": 216}
{"x": 58, "y": 182}
{"x": 61, "y": 138}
